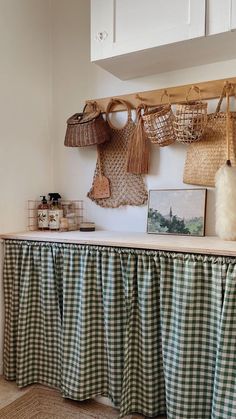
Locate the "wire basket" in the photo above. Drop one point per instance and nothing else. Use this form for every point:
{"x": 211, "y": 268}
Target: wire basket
{"x": 158, "y": 125}
{"x": 190, "y": 120}
{"x": 32, "y": 212}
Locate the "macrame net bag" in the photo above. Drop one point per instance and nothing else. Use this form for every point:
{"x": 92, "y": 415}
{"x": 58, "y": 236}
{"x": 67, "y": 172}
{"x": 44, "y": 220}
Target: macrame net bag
{"x": 125, "y": 188}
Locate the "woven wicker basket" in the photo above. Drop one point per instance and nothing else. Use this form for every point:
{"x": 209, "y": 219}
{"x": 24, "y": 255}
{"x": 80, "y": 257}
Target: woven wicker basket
{"x": 158, "y": 125}
{"x": 87, "y": 128}
{"x": 190, "y": 119}
{"x": 204, "y": 158}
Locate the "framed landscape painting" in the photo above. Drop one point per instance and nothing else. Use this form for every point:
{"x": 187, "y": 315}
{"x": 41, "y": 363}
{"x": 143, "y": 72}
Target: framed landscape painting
{"x": 177, "y": 211}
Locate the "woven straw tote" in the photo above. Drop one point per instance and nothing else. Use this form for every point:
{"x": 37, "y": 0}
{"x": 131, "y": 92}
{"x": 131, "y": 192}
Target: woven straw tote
{"x": 158, "y": 123}
{"x": 87, "y": 128}
{"x": 190, "y": 119}
{"x": 204, "y": 158}
{"x": 125, "y": 188}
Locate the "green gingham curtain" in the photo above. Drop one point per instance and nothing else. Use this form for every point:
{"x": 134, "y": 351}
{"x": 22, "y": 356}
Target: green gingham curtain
{"x": 154, "y": 331}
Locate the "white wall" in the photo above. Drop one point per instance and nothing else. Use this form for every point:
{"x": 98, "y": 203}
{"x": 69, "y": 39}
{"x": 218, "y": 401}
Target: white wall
{"x": 25, "y": 109}
{"x": 75, "y": 80}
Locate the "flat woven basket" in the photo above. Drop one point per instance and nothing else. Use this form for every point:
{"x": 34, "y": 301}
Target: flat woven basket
{"x": 87, "y": 128}
{"x": 204, "y": 158}
{"x": 158, "y": 125}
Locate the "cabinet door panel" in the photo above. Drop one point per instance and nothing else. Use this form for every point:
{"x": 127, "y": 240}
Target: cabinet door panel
{"x": 101, "y": 28}
{"x": 135, "y": 20}
{"x": 218, "y": 16}
{"x": 135, "y": 25}
{"x": 221, "y": 16}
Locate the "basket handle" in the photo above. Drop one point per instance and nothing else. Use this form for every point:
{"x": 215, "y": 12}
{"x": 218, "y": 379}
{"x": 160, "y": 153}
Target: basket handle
{"x": 114, "y": 102}
{"x": 223, "y": 94}
{"x": 227, "y": 87}
{"x": 226, "y": 93}
{"x": 190, "y": 90}
{"x": 93, "y": 105}
{"x": 140, "y": 109}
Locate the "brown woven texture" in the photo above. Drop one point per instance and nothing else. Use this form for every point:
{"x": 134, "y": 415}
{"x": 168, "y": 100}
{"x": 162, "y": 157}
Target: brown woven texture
{"x": 158, "y": 125}
{"x": 138, "y": 149}
{"x": 190, "y": 122}
{"x": 126, "y": 188}
{"x": 206, "y": 157}
{"x": 45, "y": 403}
{"x": 87, "y": 128}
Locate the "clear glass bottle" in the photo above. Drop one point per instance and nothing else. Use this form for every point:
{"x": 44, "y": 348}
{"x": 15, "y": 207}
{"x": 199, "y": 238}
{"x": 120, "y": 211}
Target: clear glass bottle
{"x": 70, "y": 214}
{"x": 63, "y": 224}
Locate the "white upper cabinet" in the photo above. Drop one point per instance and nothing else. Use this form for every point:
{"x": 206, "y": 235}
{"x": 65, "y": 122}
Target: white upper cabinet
{"x": 122, "y": 26}
{"x": 135, "y": 38}
{"x": 221, "y": 16}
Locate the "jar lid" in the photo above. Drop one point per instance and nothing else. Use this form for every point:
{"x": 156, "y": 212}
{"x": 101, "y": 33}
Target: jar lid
{"x": 87, "y": 226}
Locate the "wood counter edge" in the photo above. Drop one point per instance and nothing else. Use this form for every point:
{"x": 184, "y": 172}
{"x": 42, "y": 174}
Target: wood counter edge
{"x": 208, "y": 245}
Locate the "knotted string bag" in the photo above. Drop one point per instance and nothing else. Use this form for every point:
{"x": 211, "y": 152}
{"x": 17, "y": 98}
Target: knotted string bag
{"x": 125, "y": 188}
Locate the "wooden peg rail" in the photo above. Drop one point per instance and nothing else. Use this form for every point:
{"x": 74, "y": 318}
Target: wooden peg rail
{"x": 209, "y": 90}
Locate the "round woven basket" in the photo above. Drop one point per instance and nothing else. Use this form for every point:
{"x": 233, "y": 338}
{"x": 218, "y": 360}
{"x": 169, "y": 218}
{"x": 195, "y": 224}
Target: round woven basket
{"x": 158, "y": 125}
{"x": 190, "y": 119}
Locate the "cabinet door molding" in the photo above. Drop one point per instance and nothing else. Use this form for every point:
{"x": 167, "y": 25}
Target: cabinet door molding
{"x": 233, "y": 15}
{"x": 221, "y": 16}
{"x": 136, "y": 38}
{"x": 124, "y": 26}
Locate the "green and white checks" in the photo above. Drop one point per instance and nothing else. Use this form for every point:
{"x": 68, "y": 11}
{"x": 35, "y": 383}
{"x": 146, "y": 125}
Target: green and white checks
{"x": 154, "y": 331}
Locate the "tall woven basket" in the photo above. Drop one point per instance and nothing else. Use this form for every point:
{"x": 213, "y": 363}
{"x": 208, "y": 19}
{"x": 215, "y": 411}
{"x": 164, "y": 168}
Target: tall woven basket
{"x": 190, "y": 120}
{"x": 205, "y": 157}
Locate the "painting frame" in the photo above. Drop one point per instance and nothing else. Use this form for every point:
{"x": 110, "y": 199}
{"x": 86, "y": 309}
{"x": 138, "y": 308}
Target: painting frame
{"x": 197, "y": 230}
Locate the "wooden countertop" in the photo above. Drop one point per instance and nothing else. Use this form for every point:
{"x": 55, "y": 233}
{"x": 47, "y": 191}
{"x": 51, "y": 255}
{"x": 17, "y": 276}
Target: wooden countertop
{"x": 206, "y": 245}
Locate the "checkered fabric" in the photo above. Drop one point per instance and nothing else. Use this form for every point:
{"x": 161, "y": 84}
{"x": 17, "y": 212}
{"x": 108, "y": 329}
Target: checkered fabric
{"x": 154, "y": 331}
{"x": 224, "y": 399}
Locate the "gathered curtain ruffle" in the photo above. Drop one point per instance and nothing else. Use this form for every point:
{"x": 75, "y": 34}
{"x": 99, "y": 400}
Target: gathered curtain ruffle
{"x": 154, "y": 331}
